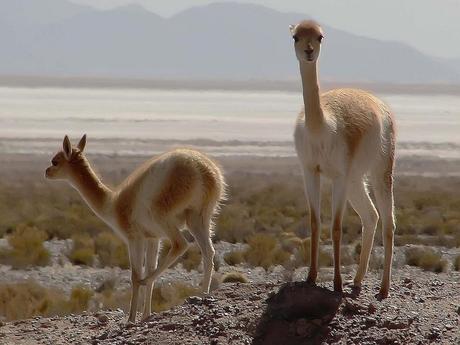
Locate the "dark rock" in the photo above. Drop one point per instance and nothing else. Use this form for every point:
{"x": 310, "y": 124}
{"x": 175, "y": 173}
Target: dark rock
{"x": 395, "y": 324}
{"x": 371, "y": 308}
{"x": 102, "y": 319}
{"x": 194, "y": 300}
{"x": 103, "y": 335}
{"x": 286, "y": 319}
{"x": 353, "y": 307}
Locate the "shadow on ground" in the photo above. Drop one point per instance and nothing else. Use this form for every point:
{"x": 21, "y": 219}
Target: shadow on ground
{"x": 299, "y": 313}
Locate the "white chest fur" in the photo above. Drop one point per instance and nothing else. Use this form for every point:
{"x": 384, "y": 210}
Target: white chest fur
{"x": 320, "y": 151}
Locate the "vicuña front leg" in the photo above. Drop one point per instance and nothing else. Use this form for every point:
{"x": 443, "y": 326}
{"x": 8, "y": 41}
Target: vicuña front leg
{"x": 312, "y": 183}
{"x": 136, "y": 249}
{"x": 151, "y": 261}
{"x": 339, "y": 194}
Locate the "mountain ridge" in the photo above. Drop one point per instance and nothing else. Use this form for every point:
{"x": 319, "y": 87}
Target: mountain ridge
{"x": 218, "y": 41}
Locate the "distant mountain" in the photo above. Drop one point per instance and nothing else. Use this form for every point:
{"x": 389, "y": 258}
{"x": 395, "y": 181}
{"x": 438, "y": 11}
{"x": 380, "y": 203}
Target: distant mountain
{"x": 219, "y": 41}
{"x": 453, "y": 63}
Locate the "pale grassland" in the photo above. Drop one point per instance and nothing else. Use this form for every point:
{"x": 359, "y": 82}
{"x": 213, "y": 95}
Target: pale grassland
{"x": 265, "y": 212}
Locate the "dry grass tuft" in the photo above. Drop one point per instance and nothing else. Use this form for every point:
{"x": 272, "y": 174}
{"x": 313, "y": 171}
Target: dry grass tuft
{"x": 28, "y": 299}
{"x": 302, "y": 254}
{"x": 235, "y": 277}
{"x": 27, "y": 248}
{"x": 457, "y": 263}
{"x": 234, "y": 258}
{"x": 83, "y": 250}
{"x": 264, "y": 251}
{"x": 192, "y": 258}
{"x": 426, "y": 258}
{"x": 111, "y": 251}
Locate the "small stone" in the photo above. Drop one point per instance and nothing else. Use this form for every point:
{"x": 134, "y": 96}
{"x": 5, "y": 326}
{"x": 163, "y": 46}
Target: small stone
{"x": 370, "y": 321}
{"x": 102, "y": 319}
{"x": 103, "y": 335}
{"x": 371, "y": 308}
{"x": 449, "y": 326}
{"x": 195, "y": 300}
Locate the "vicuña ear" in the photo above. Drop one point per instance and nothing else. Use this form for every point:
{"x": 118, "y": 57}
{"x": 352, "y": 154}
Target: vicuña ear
{"x": 67, "y": 147}
{"x": 292, "y": 29}
{"x": 82, "y": 143}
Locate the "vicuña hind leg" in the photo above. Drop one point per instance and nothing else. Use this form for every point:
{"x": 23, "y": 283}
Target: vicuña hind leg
{"x": 200, "y": 227}
{"x": 362, "y": 204}
{"x": 178, "y": 247}
{"x": 383, "y": 190}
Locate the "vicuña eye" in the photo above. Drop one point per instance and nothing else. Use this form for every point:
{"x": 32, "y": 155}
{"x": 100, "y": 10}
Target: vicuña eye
{"x": 320, "y": 38}
{"x": 296, "y": 39}
{"x": 54, "y": 162}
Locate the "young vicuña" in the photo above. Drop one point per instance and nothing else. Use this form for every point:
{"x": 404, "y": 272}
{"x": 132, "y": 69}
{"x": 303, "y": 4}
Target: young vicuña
{"x": 348, "y": 136}
{"x": 178, "y": 188}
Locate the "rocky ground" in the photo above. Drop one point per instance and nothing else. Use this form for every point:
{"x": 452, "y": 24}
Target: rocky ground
{"x": 423, "y": 308}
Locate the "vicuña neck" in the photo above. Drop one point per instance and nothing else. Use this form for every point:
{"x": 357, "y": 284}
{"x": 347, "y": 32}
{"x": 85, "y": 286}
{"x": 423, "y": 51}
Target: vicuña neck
{"x": 91, "y": 188}
{"x": 314, "y": 116}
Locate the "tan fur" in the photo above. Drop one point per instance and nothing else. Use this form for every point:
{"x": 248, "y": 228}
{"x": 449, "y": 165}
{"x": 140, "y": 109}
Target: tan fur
{"x": 153, "y": 203}
{"x": 355, "y": 112}
{"x": 177, "y": 190}
{"x": 307, "y": 28}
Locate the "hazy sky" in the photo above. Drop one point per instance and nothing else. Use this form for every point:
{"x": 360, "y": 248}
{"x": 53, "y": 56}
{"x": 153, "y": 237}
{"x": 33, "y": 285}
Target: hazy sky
{"x": 432, "y": 26}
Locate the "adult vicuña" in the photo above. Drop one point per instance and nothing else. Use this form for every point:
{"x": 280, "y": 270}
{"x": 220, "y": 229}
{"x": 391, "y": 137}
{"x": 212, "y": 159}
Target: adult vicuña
{"x": 179, "y": 188}
{"x": 347, "y": 135}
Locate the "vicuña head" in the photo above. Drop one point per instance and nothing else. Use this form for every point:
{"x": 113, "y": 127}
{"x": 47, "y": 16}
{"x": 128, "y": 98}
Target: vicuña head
{"x": 307, "y": 37}
{"x": 67, "y": 163}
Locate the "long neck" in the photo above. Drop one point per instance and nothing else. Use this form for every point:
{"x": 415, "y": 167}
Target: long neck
{"x": 96, "y": 194}
{"x": 314, "y": 116}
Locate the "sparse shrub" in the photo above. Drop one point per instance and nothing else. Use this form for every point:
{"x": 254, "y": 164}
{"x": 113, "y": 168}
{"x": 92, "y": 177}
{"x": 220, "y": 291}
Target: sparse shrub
{"x": 347, "y": 257}
{"x": 457, "y": 263}
{"x": 108, "y": 298}
{"x": 234, "y": 223}
{"x": 234, "y": 257}
{"x": 290, "y": 242}
{"x": 28, "y": 299}
{"x": 302, "y": 254}
{"x": 83, "y": 250}
{"x": 23, "y": 300}
{"x": 235, "y": 277}
{"x": 325, "y": 258}
{"x": 426, "y": 258}
{"x": 111, "y": 251}
{"x": 79, "y": 299}
{"x": 264, "y": 251}
{"x": 27, "y": 248}
{"x": 192, "y": 258}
